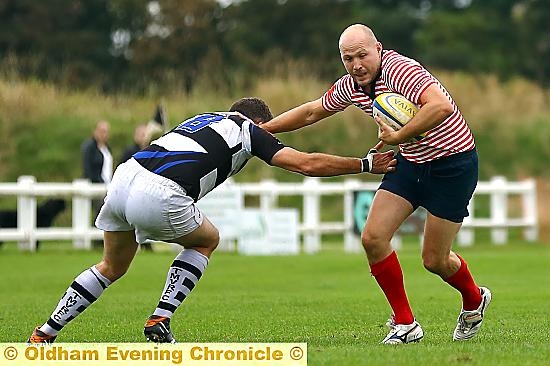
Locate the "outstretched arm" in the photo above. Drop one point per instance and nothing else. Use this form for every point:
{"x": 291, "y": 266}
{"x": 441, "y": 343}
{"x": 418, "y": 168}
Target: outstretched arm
{"x": 298, "y": 117}
{"x": 325, "y": 165}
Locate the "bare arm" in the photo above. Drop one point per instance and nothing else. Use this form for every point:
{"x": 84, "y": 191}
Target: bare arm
{"x": 325, "y": 165}
{"x": 298, "y": 117}
{"x": 435, "y": 107}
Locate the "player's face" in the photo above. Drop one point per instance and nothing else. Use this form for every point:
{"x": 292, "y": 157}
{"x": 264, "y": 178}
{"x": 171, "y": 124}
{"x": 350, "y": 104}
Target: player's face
{"x": 361, "y": 59}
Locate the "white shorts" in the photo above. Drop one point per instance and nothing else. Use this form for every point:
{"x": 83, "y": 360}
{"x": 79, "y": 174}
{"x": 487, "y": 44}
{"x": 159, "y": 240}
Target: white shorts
{"x": 155, "y": 207}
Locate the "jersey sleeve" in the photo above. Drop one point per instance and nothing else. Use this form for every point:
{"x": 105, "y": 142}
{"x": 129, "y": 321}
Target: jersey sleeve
{"x": 263, "y": 144}
{"x": 407, "y": 77}
{"x": 338, "y": 97}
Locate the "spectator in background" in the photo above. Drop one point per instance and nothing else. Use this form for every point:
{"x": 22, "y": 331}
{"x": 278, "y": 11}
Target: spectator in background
{"x": 97, "y": 163}
{"x": 143, "y": 135}
{"x": 146, "y": 132}
{"x": 141, "y": 140}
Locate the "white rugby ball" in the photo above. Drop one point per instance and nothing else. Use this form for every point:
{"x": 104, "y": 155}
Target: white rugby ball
{"x": 395, "y": 110}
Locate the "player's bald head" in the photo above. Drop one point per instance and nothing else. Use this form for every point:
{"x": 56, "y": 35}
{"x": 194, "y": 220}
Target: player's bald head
{"x": 357, "y": 33}
{"x": 361, "y": 53}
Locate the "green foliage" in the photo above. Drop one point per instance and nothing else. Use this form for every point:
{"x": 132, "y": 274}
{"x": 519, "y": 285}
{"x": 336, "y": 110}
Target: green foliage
{"x": 149, "y": 47}
{"x": 65, "y": 41}
{"x": 328, "y": 300}
{"x": 531, "y": 142}
{"x": 460, "y": 37}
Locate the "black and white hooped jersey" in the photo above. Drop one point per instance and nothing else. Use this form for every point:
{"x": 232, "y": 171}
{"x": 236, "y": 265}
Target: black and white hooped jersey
{"x": 203, "y": 151}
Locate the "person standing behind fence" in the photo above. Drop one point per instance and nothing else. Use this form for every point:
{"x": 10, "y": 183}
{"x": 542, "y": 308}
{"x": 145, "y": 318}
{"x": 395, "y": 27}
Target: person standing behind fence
{"x": 439, "y": 173}
{"x": 153, "y": 195}
{"x": 141, "y": 140}
{"x": 144, "y": 133}
{"x": 97, "y": 163}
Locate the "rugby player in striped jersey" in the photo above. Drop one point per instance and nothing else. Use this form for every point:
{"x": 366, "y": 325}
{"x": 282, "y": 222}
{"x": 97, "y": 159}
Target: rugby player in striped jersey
{"x": 438, "y": 173}
{"x": 152, "y": 197}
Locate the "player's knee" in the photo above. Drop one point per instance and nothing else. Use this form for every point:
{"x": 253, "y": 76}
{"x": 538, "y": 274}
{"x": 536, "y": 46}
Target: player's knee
{"x": 370, "y": 240}
{"x": 215, "y": 240}
{"x": 111, "y": 270}
{"x": 373, "y": 243}
{"x": 209, "y": 245}
{"x": 433, "y": 264}
{"x": 212, "y": 241}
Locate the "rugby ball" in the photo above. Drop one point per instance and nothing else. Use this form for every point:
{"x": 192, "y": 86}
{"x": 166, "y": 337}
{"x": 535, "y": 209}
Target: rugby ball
{"x": 395, "y": 110}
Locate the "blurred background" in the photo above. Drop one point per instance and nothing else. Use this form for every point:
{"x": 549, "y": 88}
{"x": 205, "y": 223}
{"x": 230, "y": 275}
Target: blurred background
{"x": 66, "y": 64}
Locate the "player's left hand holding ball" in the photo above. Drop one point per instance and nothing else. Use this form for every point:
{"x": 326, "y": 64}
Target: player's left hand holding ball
{"x": 387, "y": 134}
{"x": 379, "y": 163}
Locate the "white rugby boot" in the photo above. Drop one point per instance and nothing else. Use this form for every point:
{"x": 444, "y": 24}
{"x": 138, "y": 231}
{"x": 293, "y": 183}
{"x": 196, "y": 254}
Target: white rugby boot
{"x": 403, "y": 333}
{"x": 469, "y": 321}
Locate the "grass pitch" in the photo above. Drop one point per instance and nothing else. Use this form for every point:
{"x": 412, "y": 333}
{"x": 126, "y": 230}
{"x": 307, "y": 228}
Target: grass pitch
{"x": 328, "y": 300}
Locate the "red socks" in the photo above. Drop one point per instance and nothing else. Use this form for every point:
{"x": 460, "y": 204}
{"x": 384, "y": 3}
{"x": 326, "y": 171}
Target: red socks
{"x": 389, "y": 276}
{"x": 462, "y": 280}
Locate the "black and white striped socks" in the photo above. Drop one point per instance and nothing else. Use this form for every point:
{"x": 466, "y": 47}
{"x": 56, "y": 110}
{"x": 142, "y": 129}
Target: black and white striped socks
{"x": 184, "y": 273}
{"x": 84, "y": 290}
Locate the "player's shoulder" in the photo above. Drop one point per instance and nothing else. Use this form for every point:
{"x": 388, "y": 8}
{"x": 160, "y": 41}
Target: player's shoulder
{"x": 345, "y": 81}
{"x": 393, "y": 59}
{"x": 343, "y": 85}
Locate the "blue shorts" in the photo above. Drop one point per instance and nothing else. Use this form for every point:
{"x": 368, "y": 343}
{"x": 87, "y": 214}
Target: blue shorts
{"x": 443, "y": 186}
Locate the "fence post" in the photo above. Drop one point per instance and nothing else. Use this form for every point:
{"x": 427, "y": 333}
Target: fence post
{"x": 530, "y": 233}
{"x": 352, "y": 244}
{"x": 268, "y": 199}
{"x": 312, "y": 238}
{"x": 466, "y": 236}
{"x": 26, "y": 213}
{"x": 82, "y": 206}
{"x": 499, "y": 210}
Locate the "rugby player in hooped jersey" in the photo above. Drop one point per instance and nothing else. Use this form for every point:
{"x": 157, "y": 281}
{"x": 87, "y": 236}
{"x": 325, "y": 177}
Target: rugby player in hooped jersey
{"x": 438, "y": 173}
{"x": 153, "y": 194}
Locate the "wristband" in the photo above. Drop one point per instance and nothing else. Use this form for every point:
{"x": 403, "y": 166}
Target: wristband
{"x": 366, "y": 162}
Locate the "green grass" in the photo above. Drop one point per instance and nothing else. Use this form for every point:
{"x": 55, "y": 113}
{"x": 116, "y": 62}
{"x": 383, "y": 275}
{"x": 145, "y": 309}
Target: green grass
{"x": 327, "y": 300}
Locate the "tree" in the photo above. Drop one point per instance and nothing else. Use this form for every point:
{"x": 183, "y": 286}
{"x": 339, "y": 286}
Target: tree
{"x": 62, "y": 40}
{"x": 178, "y": 35}
{"x": 533, "y": 33}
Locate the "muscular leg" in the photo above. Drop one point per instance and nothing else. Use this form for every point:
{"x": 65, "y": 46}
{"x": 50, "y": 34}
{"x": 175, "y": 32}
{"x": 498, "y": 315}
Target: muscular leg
{"x": 204, "y": 239}
{"x": 387, "y": 213}
{"x": 438, "y": 258}
{"x": 119, "y": 250}
{"x": 187, "y": 268}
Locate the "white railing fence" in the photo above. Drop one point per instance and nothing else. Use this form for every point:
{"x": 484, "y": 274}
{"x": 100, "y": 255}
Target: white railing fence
{"x": 311, "y": 226}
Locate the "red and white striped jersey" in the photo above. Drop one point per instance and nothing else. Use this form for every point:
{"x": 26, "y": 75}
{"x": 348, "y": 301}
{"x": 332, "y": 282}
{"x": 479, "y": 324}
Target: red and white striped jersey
{"x": 403, "y": 75}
